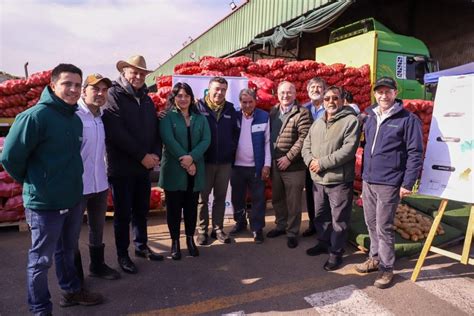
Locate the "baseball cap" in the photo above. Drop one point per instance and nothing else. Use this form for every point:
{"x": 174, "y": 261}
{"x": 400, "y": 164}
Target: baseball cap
{"x": 386, "y": 82}
{"x": 93, "y": 79}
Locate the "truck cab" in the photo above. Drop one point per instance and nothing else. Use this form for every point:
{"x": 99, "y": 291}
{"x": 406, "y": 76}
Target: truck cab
{"x": 367, "y": 41}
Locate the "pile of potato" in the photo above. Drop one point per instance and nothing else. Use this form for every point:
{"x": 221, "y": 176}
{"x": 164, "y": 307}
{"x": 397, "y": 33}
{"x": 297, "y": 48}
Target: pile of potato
{"x": 411, "y": 225}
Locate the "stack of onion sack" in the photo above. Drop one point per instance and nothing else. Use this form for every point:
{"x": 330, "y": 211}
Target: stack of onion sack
{"x": 19, "y": 94}
{"x": 11, "y": 202}
{"x": 156, "y": 199}
{"x": 424, "y": 110}
{"x": 265, "y": 74}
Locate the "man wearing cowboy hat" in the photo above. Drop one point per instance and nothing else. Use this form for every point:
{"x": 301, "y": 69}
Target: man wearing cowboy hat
{"x": 132, "y": 146}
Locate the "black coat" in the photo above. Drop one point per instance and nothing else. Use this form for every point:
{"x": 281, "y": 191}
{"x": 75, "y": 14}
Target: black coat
{"x": 131, "y": 130}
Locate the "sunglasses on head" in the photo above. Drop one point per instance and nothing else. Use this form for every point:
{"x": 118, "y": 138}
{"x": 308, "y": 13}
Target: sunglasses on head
{"x": 334, "y": 97}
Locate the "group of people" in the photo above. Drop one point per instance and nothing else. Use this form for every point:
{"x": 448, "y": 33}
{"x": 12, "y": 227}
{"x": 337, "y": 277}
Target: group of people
{"x": 84, "y": 137}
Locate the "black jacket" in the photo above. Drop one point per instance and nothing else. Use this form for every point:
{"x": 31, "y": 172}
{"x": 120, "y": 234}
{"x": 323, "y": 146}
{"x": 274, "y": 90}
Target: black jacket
{"x": 131, "y": 129}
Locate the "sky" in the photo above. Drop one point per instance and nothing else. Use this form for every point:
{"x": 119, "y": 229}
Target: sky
{"x": 95, "y": 34}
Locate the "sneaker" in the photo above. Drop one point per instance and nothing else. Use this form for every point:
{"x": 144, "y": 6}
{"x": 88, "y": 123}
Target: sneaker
{"x": 202, "y": 239}
{"x": 369, "y": 265}
{"x": 275, "y": 233}
{"x": 127, "y": 265}
{"x": 292, "y": 242}
{"x": 148, "y": 254}
{"x": 238, "y": 228}
{"x": 258, "y": 237}
{"x": 316, "y": 250}
{"x": 310, "y": 231}
{"x": 80, "y": 298}
{"x": 384, "y": 279}
{"x": 221, "y": 236}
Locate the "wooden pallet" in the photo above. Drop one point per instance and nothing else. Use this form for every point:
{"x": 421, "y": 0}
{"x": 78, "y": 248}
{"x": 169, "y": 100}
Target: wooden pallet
{"x": 22, "y": 225}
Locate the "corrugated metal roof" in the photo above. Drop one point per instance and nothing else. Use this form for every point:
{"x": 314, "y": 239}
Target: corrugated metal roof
{"x": 238, "y": 29}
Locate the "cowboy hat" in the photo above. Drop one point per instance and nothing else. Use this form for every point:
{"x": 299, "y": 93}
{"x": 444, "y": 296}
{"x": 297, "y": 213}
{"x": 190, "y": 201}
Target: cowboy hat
{"x": 136, "y": 61}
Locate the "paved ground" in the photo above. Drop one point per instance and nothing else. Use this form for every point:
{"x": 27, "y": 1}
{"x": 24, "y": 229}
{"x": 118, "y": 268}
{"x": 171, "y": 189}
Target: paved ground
{"x": 243, "y": 279}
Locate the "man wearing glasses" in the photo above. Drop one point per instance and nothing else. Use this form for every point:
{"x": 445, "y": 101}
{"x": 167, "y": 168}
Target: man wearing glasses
{"x": 329, "y": 152}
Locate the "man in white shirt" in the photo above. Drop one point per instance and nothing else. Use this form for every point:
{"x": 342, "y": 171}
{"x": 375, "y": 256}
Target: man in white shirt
{"x": 251, "y": 167}
{"x": 94, "y": 96}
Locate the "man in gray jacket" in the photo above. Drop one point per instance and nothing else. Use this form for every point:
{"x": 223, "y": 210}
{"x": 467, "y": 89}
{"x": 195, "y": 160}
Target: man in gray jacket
{"x": 329, "y": 152}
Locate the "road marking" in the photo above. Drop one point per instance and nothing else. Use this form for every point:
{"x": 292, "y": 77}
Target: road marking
{"x": 346, "y": 300}
{"x": 452, "y": 288}
{"x": 222, "y": 302}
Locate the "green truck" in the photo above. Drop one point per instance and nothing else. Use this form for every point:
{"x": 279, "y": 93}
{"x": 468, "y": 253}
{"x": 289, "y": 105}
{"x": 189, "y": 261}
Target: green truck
{"x": 367, "y": 41}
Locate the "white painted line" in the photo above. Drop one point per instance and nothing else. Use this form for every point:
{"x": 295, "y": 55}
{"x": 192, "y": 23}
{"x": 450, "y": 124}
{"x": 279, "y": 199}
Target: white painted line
{"x": 239, "y": 313}
{"x": 346, "y": 300}
{"x": 452, "y": 288}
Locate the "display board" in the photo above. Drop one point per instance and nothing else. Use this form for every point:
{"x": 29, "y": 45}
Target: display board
{"x": 448, "y": 166}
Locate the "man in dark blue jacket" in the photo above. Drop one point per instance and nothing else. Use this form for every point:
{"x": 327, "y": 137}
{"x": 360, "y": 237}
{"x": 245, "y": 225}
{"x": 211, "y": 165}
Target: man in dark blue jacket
{"x": 133, "y": 147}
{"x": 222, "y": 119}
{"x": 392, "y": 163}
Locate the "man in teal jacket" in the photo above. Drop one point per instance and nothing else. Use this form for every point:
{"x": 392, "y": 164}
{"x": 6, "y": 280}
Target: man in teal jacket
{"x": 42, "y": 151}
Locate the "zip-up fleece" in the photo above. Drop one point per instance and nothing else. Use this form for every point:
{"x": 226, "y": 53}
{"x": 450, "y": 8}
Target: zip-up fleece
{"x": 224, "y": 133}
{"x": 131, "y": 129}
{"x": 397, "y": 155}
{"x": 334, "y": 143}
{"x": 43, "y": 151}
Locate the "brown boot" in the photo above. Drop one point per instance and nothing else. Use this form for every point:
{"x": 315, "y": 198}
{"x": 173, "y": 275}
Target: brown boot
{"x": 384, "y": 279}
{"x": 82, "y": 297}
{"x": 370, "y": 265}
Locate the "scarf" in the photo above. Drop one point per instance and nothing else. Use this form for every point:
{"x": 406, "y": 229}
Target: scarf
{"x": 216, "y": 107}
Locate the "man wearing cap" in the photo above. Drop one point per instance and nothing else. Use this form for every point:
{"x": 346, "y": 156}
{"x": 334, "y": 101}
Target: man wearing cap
{"x": 133, "y": 147}
{"x": 392, "y": 162}
{"x": 94, "y": 178}
{"x": 42, "y": 151}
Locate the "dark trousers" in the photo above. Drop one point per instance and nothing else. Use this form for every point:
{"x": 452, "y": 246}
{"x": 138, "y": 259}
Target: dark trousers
{"x": 333, "y": 206}
{"x": 380, "y": 204}
{"x": 243, "y": 179}
{"x": 131, "y": 196}
{"x": 96, "y": 205}
{"x": 185, "y": 202}
{"x": 309, "y": 198}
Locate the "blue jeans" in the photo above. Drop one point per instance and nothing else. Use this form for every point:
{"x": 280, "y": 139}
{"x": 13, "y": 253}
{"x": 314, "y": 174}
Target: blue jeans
{"x": 53, "y": 232}
{"x": 131, "y": 197}
{"x": 244, "y": 178}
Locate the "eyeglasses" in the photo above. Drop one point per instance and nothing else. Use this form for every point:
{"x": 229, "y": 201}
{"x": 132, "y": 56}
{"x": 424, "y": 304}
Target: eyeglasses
{"x": 335, "y": 98}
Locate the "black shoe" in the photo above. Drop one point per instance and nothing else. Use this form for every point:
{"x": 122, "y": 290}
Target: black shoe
{"x": 127, "y": 265}
{"x": 310, "y": 231}
{"x": 333, "y": 263}
{"x": 292, "y": 242}
{"x": 258, "y": 237}
{"x": 238, "y": 228}
{"x": 175, "y": 250}
{"x": 148, "y": 254}
{"x": 275, "y": 233}
{"x": 202, "y": 239}
{"x": 80, "y": 298}
{"x": 221, "y": 236}
{"x": 97, "y": 266}
{"x": 193, "y": 250}
{"x": 316, "y": 250}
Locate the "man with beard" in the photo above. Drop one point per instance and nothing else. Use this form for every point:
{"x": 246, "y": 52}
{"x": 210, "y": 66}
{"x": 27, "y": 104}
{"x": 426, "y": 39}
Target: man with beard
{"x": 315, "y": 87}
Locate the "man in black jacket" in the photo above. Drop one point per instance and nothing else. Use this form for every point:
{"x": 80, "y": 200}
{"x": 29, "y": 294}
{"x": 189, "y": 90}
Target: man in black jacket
{"x": 133, "y": 147}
